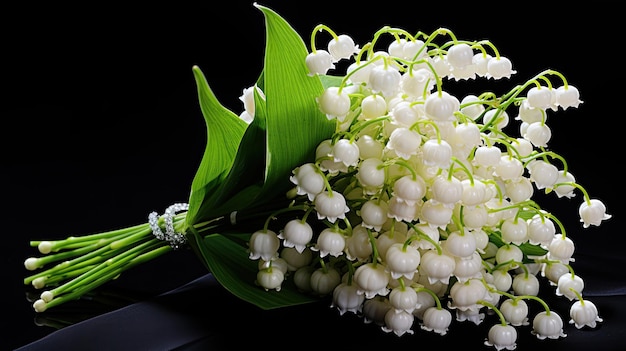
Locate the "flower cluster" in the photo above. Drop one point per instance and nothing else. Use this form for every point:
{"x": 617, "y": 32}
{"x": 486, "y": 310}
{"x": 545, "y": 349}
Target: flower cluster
{"x": 421, "y": 203}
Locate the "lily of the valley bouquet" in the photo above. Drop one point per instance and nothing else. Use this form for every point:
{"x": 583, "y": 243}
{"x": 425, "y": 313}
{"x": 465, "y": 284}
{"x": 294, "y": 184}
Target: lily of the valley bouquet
{"x": 376, "y": 189}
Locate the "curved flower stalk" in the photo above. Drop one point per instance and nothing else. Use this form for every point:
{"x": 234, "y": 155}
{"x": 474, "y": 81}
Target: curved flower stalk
{"x": 377, "y": 188}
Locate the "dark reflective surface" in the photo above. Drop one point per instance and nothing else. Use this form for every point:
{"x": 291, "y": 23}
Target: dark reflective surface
{"x": 103, "y": 128}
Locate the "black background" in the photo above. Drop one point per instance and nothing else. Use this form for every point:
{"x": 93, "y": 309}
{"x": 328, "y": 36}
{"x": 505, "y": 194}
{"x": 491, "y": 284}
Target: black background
{"x": 100, "y": 124}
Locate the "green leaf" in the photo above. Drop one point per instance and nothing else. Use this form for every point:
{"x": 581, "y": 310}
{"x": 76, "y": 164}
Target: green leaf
{"x": 295, "y": 125}
{"x": 224, "y": 133}
{"x": 231, "y": 266}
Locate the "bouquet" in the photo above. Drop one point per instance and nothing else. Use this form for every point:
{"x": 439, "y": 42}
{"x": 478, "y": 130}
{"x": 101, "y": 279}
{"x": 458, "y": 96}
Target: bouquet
{"x": 354, "y": 175}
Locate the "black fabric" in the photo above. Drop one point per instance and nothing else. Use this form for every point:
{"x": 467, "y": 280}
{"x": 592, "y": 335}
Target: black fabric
{"x": 201, "y": 315}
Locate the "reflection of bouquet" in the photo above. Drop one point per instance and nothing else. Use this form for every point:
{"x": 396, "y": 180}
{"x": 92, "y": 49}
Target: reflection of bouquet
{"x": 377, "y": 189}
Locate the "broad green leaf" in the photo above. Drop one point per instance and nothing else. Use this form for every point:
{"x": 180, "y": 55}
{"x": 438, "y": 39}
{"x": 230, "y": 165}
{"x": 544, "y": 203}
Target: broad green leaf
{"x": 295, "y": 125}
{"x": 247, "y": 172}
{"x": 224, "y": 132}
{"x": 231, "y": 266}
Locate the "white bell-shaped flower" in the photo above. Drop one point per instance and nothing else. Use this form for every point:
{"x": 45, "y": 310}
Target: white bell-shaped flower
{"x": 481, "y": 61}
{"x": 373, "y": 106}
{"x": 553, "y": 271}
{"x": 441, "y": 106}
{"x": 396, "y": 47}
{"x": 541, "y": 97}
{"x": 471, "y": 106}
{"x": 592, "y": 212}
{"x": 414, "y": 50}
{"x": 468, "y": 135}
{"x": 346, "y": 151}
{"x": 509, "y": 253}
{"x": 296, "y": 234}
{"x": 374, "y": 214}
{"x": 519, "y": 189}
{"x": 399, "y": 323}
{"x": 358, "y": 245}
{"x": 437, "y": 267}
{"x": 529, "y": 114}
{"x": 270, "y": 278}
{"x": 401, "y": 210}
{"x": 447, "y": 190}
{"x": 437, "y": 320}
{"x": 568, "y": 96}
{"x": 437, "y": 153}
{"x": 487, "y": 155}
{"x": 469, "y": 267}
{"x": 402, "y": 260}
{"x": 403, "y": 114}
{"x": 324, "y": 156}
{"x": 523, "y": 147}
{"x": 548, "y": 325}
{"x": 568, "y": 284}
{"x": 460, "y": 55}
{"x": 308, "y": 180}
{"x": 515, "y": 311}
{"x": 369, "y": 147}
{"x": 409, "y": 189}
{"x": 403, "y": 299}
{"x": 325, "y": 280}
{"x": 302, "y": 278}
{"x": 509, "y": 168}
{"x": 264, "y": 244}
{"x": 538, "y": 133}
{"x": 441, "y": 65}
{"x": 385, "y": 79}
{"x": 543, "y": 174}
{"x": 436, "y": 214}
{"x": 541, "y": 230}
{"x": 346, "y": 299}
{"x": 330, "y": 242}
{"x": 330, "y": 206}
{"x": 473, "y": 193}
{"x": 319, "y": 62}
{"x": 372, "y": 279}
{"x": 514, "y": 231}
{"x": 502, "y": 337}
{"x": 375, "y": 309}
{"x": 502, "y": 279}
{"x": 342, "y": 47}
{"x": 460, "y": 244}
{"x": 404, "y": 142}
{"x": 561, "y": 248}
{"x": 562, "y": 189}
{"x": 371, "y": 175}
{"x": 525, "y": 284}
{"x": 499, "y": 67}
{"x": 465, "y": 295}
{"x": 334, "y": 103}
{"x": 584, "y": 313}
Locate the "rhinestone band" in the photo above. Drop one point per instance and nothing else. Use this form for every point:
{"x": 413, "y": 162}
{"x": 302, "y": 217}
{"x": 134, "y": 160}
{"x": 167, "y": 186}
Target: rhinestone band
{"x": 176, "y": 240}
